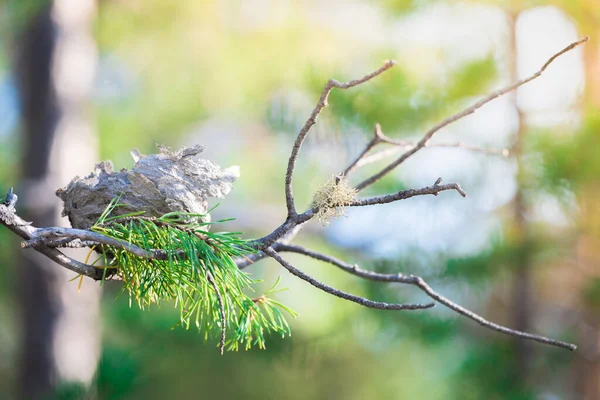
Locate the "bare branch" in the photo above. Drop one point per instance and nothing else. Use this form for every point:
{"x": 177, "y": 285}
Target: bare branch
{"x": 459, "y": 145}
{"x": 24, "y": 229}
{"x": 421, "y": 284}
{"x": 409, "y": 145}
{"x": 282, "y": 230}
{"x": 41, "y": 233}
{"x": 343, "y": 295}
{"x": 58, "y": 243}
{"x": 44, "y": 240}
{"x": 423, "y": 142}
{"x": 378, "y": 137}
{"x": 289, "y": 197}
{"x": 434, "y": 189}
{"x": 299, "y": 219}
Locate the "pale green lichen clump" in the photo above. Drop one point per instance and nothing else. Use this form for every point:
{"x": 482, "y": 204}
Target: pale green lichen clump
{"x": 332, "y": 199}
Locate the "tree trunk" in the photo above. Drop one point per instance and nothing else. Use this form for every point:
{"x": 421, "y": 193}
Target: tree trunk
{"x": 522, "y": 306}
{"x": 55, "y": 63}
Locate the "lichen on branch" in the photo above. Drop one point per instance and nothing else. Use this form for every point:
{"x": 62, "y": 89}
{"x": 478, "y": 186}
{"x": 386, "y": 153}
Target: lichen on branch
{"x": 331, "y": 199}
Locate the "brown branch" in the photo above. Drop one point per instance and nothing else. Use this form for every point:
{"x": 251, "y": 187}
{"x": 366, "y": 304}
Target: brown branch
{"x": 297, "y": 220}
{"x": 435, "y": 189}
{"x": 58, "y": 243}
{"x": 421, "y": 284}
{"x": 41, "y": 234}
{"x": 423, "y": 142}
{"x": 399, "y": 147}
{"x": 24, "y": 229}
{"x": 343, "y": 295}
{"x": 378, "y": 137}
{"x": 289, "y": 197}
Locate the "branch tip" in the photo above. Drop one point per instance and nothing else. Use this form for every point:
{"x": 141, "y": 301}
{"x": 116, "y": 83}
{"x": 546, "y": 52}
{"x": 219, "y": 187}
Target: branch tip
{"x": 470, "y": 110}
{"x": 423, "y": 286}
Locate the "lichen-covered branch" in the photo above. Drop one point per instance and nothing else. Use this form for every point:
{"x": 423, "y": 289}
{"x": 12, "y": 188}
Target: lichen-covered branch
{"x": 434, "y": 189}
{"x": 322, "y": 103}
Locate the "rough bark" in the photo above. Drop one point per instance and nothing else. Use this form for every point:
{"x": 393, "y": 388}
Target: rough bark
{"x": 55, "y": 64}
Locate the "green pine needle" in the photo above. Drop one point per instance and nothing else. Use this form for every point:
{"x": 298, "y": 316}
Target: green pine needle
{"x": 199, "y": 276}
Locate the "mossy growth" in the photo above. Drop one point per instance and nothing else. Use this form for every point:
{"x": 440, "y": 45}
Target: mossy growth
{"x": 331, "y": 200}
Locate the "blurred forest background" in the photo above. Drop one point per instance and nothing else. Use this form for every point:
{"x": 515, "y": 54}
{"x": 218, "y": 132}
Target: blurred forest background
{"x": 83, "y": 81}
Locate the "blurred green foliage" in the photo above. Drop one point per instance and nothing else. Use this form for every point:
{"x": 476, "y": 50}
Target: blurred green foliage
{"x": 200, "y": 60}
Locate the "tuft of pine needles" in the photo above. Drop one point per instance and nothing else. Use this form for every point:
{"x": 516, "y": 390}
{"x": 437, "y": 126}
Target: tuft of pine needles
{"x": 198, "y": 275}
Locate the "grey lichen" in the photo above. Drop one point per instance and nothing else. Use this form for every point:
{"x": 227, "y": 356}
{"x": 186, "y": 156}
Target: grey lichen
{"x": 331, "y": 200}
{"x": 157, "y": 184}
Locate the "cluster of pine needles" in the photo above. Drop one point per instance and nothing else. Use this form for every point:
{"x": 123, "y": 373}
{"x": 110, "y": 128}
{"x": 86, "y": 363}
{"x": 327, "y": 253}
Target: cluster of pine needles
{"x": 197, "y": 273}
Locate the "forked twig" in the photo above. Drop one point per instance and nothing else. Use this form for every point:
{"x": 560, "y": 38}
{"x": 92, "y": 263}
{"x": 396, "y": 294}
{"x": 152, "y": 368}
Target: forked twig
{"x": 338, "y": 293}
{"x": 421, "y": 284}
{"x": 322, "y": 103}
{"x": 380, "y": 155}
{"x": 470, "y": 110}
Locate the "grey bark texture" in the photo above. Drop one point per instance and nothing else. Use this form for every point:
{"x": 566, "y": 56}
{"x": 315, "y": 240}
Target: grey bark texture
{"x": 157, "y": 184}
{"x": 55, "y": 65}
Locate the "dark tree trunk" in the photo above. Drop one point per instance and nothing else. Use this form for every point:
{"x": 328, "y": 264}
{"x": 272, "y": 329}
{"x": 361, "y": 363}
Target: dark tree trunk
{"x": 54, "y": 132}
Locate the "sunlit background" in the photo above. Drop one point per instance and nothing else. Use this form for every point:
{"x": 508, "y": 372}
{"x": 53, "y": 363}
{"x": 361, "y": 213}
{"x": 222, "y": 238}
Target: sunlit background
{"x": 83, "y": 81}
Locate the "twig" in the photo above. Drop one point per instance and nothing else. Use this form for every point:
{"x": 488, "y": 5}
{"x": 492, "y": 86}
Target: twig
{"x": 289, "y": 197}
{"x": 395, "y": 150}
{"x": 378, "y": 137}
{"x": 282, "y": 230}
{"x": 421, "y": 284}
{"x": 423, "y": 142}
{"x": 343, "y": 295}
{"x": 294, "y": 222}
{"x": 435, "y": 189}
{"x": 22, "y": 228}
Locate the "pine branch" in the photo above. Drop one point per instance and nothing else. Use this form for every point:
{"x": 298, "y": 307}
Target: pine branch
{"x": 174, "y": 258}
